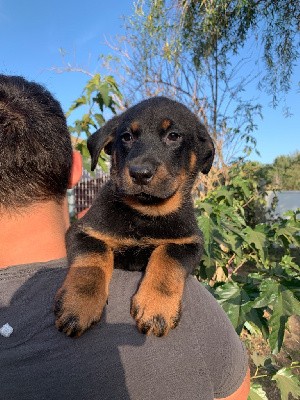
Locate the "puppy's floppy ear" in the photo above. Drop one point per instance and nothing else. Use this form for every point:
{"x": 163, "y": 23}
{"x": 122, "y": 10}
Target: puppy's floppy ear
{"x": 206, "y": 150}
{"x": 102, "y": 139}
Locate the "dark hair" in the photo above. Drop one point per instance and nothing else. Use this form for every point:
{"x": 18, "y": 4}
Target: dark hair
{"x": 35, "y": 144}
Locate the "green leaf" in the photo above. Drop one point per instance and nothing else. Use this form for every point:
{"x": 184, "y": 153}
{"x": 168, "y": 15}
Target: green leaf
{"x": 287, "y": 383}
{"x": 92, "y": 85}
{"x": 99, "y": 100}
{"x": 294, "y": 286}
{"x": 234, "y": 217}
{"x": 235, "y": 302}
{"x": 236, "y": 231}
{"x": 87, "y": 165}
{"x": 82, "y": 147}
{"x": 204, "y": 207}
{"x": 207, "y": 226}
{"x": 243, "y": 184}
{"x": 258, "y": 239}
{"x": 284, "y": 306}
{"x": 268, "y": 293}
{"x": 235, "y": 243}
{"x": 99, "y": 118}
{"x": 257, "y": 392}
{"x": 102, "y": 162}
{"x": 283, "y": 303}
{"x": 77, "y": 103}
{"x": 207, "y": 267}
{"x": 224, "y": 194}
{"x": 277, "y": 324}
{"x": 104, "y": 90}
{"x": 289, "y": 233}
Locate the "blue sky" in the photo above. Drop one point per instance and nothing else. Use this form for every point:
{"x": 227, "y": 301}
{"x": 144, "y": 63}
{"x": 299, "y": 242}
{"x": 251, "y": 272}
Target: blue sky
{"x": 32, "y": 32}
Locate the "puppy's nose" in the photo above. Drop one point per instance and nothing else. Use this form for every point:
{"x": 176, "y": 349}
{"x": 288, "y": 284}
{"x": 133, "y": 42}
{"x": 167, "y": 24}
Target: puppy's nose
{"x": 140, "y": 174}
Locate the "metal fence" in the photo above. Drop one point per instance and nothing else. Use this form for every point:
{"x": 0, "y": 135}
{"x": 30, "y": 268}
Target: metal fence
{"x": 81, "y": 197}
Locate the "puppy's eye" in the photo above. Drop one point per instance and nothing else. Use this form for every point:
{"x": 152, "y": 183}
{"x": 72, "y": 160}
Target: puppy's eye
{"x": 173, "y": 137}
{"x": 127, "y": 137}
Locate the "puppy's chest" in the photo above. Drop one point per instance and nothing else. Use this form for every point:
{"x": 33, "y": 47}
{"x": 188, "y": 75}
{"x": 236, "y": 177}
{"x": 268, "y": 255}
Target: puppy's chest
{"x": 156, "y": 228}
{"x": 146, "y": 236}
{"x": 132, "y": 258}
{"x": 135, "y": 257}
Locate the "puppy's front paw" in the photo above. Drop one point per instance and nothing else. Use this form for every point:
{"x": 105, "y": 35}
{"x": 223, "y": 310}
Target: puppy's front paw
{"x": 75, "y": 315}
{"x": 79, "y": 302}
{"x": 155, "y": 312}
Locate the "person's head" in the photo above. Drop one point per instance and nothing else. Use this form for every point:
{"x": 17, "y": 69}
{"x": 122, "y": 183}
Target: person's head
{"x": 35, "y": 145}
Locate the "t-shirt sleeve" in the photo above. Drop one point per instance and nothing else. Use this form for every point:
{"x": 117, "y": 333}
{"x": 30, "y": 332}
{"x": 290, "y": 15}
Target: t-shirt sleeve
{"x": 221, "y": 348}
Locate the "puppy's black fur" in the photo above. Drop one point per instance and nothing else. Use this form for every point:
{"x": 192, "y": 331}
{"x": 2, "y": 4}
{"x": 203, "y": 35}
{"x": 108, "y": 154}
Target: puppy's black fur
{"x": 142, "y": 219}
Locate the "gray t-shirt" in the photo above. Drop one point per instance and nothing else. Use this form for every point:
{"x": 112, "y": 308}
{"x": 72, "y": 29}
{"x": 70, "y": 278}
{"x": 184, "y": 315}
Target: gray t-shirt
{"x": 201, "y": 359}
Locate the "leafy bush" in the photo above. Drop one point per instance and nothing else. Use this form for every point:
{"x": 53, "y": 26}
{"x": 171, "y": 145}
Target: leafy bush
{"x": 100, "y": 94}
{"x": 251, "y": 270}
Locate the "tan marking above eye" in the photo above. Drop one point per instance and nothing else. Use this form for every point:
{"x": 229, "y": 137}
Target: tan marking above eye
{"x": 134, "y": 126}
{"x": 166, "y": 124}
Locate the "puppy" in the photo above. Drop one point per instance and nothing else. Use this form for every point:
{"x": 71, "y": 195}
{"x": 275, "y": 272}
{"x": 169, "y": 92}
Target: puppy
{"x": 142, "y": 219}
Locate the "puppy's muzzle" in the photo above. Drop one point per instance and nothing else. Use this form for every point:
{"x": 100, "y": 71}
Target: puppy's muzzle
{"x": 141, "y": 174}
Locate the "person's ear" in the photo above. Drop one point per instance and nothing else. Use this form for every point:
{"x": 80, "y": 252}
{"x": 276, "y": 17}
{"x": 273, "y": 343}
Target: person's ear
{"x": 76, "y": 170}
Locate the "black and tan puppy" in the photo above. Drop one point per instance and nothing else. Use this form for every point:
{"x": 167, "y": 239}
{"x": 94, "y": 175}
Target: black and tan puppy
{"x": 142, "y": 219}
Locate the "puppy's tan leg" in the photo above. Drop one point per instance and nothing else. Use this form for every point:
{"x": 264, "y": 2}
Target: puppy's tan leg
{"x": 157, "y": 304}
{"x": 80, "y": 300}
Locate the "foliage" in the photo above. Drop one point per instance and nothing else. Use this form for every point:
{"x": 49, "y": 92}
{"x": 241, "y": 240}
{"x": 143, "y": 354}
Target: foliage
{"x": 250, "y": 267}
{"x": 257, "y": 392}
{"x": 287, "y": 383}
{"x": 284, "y": 173}
{"x": 98, "y": 96}
{"x": 227, "y": 24}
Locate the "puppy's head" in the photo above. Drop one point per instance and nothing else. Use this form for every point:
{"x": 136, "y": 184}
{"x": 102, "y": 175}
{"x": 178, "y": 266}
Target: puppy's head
{"x": 157, "y": 147}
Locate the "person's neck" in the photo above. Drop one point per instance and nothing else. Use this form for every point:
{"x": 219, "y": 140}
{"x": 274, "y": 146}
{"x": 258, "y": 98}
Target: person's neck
{"x": 33, "y": 234}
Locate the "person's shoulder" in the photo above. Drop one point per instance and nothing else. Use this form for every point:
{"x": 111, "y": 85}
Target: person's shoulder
{"x": 197, "y": 287}
{"x": 199, "y": 299}
{"x": 222, "y": 350}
